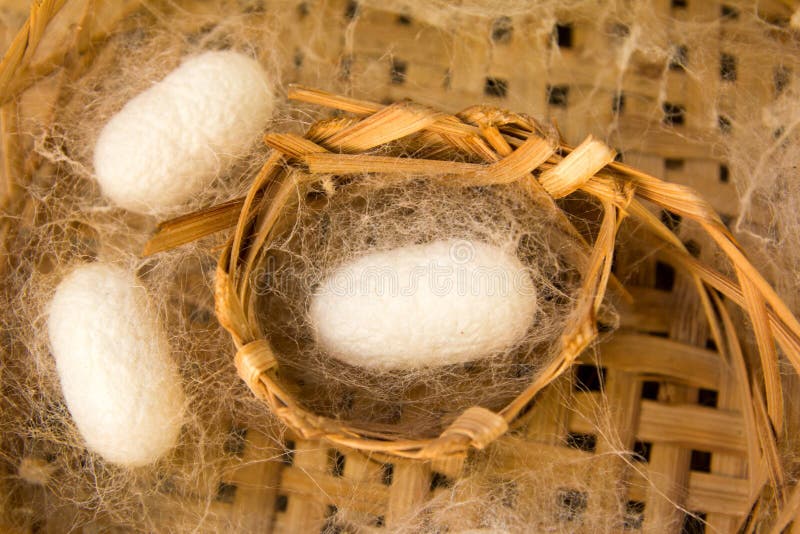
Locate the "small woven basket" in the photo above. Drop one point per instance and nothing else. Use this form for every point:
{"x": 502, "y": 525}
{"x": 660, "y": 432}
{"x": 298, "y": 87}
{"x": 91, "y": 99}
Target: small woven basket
{"x": 703, "y": 424}
{"x": 340, "y": 148}
{"x": 514, "y": 148}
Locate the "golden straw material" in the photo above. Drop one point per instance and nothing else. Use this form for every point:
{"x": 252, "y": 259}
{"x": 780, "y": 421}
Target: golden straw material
{"x": 336, "y": 149}
{"x": 25, "y": 43}
{"x": 685, "y": 338}
{"x": 301, "y": 157}
{"x": 51, "y": 22}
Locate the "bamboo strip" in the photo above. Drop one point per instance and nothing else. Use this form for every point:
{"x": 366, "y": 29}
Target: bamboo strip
{"x": 193, "y": 226}
{"x": 688, "y": 425}
{"x": 491, "y": 136}
{"x": 512, "y": 149}
{"x": 650, "y": 355}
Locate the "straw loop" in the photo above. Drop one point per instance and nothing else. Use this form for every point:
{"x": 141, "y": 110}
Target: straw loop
{"x": 577, "y": 168}
{"x": 479, "y": 425}
{"x": 254, "y": 359}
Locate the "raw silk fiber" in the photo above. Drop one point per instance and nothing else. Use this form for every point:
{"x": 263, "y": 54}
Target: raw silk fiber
{"x": 379, "y": 217}
{"x": 655, "y": 85}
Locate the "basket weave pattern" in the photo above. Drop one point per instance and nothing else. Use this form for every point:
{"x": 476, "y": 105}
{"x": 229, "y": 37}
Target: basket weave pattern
{"x": 710, "y": 460}
{"x": 337, "y": 148}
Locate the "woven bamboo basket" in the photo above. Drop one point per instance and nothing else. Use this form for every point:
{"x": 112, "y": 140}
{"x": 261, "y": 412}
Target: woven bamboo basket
{"x": 700, "y": 424}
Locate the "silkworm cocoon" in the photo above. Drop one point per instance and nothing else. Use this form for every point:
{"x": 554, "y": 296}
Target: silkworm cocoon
{"x": 172, "y": 140}
{"x": 424, "y": 305}
{"x": 121, "y": 386}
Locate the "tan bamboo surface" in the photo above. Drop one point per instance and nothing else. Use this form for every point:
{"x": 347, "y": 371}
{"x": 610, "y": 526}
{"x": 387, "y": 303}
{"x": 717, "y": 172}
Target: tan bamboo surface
{"x": 514, "y": 147}
{"x": 699, "y": 420}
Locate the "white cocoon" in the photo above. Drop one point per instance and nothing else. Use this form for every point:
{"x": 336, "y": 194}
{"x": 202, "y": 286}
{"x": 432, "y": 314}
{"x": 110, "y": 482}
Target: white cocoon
{"x": 121, "y": 386}
{"x": 424, "y": 305}
{"x": 172, "y": 140}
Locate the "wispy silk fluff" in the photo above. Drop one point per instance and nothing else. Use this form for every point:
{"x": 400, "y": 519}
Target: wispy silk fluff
{"x": 120, "y": 383}
{"x": 348, "y": 295}
{"x": 169, "y": 142}
{"x": 49, "y": 477}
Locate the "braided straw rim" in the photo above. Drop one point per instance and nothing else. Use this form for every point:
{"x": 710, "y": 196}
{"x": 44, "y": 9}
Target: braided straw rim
{"x": 337, "y": 147}
{"x": 514, "y": 148}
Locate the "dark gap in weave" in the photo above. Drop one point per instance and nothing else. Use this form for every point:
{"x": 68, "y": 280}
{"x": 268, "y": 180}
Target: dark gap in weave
{"x": 226, "y": 492}
{"x": 581, "y": 441}
{"x": 502, "y": 30}
{"x": 724, "y": 123}
{"x": 572, "y": 504}
{"x": 674, "y": 114}
{"x": 707, "y": 397}
{"x": 665, "y": 276}
{"x": 634, "y": 515}
{"x": 589, "y": 377}
{"x": 680, "y": 58}
{"x": 700, "y": 461}
{"x": 641, "y": 451}
{"x": 496, "y": 87}
{"x": 557, "y": 95}
{"x": 281, "y": 503}
{"x": 694, "y": 523}
{"x": 562, "y": 34}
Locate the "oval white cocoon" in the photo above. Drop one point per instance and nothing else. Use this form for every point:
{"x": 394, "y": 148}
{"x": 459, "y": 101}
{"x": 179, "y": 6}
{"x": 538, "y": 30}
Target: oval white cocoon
{"x": 172, "y": 140}
{"x": 426, "y": 305}
{"x": 113, "y": 359}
